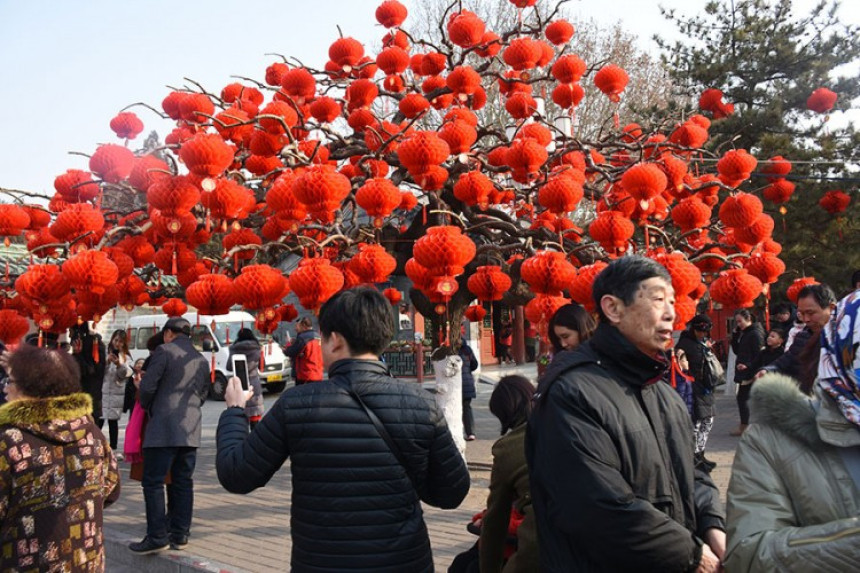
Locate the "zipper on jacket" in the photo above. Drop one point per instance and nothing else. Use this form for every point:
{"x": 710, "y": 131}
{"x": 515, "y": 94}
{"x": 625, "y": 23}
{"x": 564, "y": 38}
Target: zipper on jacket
{"x": 829, "y": 538}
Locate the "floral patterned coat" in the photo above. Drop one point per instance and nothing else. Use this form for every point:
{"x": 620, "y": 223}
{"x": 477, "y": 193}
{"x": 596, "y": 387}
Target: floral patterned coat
{"x": 57, "y": 473}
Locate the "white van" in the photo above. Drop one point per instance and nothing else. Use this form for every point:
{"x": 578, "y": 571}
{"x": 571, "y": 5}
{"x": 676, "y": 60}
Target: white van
{"x": 210, "y": 334}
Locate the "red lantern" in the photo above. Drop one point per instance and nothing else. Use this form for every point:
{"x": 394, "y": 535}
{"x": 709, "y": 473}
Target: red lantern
{"x": 735, "y": 167}
{"x": 206, "y": 155}
{"x": 173, "y": 194}
{"x": 740, "y": 210}
{"x": 418, "y": 274}
{"x": 391, "y": 13}
{"x": 644, "y": 181}
{"x": 459, "y": 135}
{"x": 542, "y": 307}
{"x": 90, "y": 271}
{"x": 315, "y": 281}
{"x": 685, "y": 310}
{"x": 112, "y": 163}
{"x": 131, "y": 292}
{"x": 259, "y": 287}
{"x": 465, "y": 29}
{"x": 174, "y": 307}
{"x": 378, "y": 197}
{"x": 612, "y": 230}
{"x": 757, "y": 231}
{"x": 393, "y": 295}
{"x": 147, "y": 170}
{"x": 325, "y": 109}
{"x": 13, "y": 221}
{"x": 475, "y": 313}
{"x": 12, "y": 326}
{"x": 525, "y": 157}
{"x": 75, "y": 185}
{"x": 611, "y": 80}
{"x": 242, "y": 237}
{"x": 779, "y": 191}
{"x": 559, "y": 32}
{"x": 794, "y": 290}
{"x": 372, "y": 264}
{"x": 523, "y": 53}
{"x": 321, "y": 189}
{"x": 444, "y": 250}
{"x": 766, "y": 267}
{"x": 686, "y": 277}
{"x": 77, "y": 220}
{"x": 821, "y": 100}
{"x": 229, "y": 200}
{"x": 474, "y": 188}
{"x": 489, "y": 283}
{"x": 211, "y": 294}
{"x": 126, "y": 125}
{"x": 568, "y": 69}
{"x": 736, "y": 288}
{"x": 835, "y": 202}
{"x": 691, "y": 213}
{"x": 580, "y": 288}
{"x": 288, "y": 313}
{"x": 422, "y": 150}
{"x": 548, "y": 272}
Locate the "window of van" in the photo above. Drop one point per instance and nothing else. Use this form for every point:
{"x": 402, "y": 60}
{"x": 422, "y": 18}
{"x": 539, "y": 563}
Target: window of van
{"x": 199, "y": 333}
{"x": 223, "y": 328}
{"x": 144, "y": 333}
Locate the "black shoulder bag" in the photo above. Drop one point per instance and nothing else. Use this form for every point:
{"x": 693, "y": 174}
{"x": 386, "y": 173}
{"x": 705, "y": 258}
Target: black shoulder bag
{"x": 380, "y": 428}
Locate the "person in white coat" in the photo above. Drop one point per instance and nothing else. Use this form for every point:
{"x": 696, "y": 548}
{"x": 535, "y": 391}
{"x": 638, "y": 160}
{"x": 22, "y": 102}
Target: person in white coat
{"x": 117, "y": 372}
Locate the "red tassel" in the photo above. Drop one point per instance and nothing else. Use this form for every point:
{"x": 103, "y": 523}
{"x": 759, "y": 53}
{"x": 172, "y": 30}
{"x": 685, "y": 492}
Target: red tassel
{"x": 228, "y": 334}
{"x": 262, "y": 361}
{"x": 212, "y": 369}
{"x": 96, "y": 357}
{"x": 424, "y": 215}
{"x": 41, "y": 339}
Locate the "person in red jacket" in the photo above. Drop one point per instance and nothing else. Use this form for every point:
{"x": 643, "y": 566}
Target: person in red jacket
{"x": 306, "y": 353}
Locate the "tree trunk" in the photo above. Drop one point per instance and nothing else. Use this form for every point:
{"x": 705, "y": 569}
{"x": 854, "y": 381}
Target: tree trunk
{"x": 449, "y": 395}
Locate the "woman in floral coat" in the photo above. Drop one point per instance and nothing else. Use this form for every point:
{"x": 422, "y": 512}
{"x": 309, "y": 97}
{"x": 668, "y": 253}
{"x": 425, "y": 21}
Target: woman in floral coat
{"x": 56, "y": 470}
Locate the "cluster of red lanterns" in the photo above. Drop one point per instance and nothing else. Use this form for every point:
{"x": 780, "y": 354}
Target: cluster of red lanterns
{"x": 245, "y": 170}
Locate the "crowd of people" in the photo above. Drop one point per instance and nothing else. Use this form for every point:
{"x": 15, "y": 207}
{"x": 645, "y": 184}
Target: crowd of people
{"x": 599, "y": 467}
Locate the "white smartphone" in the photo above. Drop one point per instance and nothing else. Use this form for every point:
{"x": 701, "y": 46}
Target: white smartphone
{"x": 240, "y": 369}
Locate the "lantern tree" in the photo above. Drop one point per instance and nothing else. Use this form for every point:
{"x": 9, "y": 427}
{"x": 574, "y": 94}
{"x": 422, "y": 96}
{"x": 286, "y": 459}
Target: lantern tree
{"x": 379, "y": 165}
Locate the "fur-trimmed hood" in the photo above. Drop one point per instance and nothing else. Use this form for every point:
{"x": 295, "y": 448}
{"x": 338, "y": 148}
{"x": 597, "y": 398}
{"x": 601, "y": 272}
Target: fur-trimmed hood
{"x": 56, "y": 419}
{"x": 776, "y": 400}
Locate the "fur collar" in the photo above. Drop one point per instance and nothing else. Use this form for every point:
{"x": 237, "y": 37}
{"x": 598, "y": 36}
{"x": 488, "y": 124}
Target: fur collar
{"x": 42, "y": 410}
{"x": 776, "y": 400}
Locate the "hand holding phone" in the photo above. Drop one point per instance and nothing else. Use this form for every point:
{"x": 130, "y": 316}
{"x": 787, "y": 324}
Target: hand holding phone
{"x": 240, "y": 369}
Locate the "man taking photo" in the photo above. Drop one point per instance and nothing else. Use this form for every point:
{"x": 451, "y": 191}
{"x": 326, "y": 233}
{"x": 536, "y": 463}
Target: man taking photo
{"x": 365, "y": 450}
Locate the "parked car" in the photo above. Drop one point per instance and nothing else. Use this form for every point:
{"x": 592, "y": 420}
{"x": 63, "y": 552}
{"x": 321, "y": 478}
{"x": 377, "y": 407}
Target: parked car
{"x": 211, "y": 336}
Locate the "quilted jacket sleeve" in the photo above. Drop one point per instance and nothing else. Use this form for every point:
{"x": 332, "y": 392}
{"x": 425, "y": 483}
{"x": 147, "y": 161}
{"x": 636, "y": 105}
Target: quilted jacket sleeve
{"x": 762, "y": 535}
{"x": 245, "y": 462}
{"x": 447, "y": 481}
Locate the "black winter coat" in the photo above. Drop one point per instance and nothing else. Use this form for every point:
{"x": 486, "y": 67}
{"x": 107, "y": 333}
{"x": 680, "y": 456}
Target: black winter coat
{"x": 789, "y": 363}
{"x": 747, "y": 344}
{"x": 470, "y": 364}
{"x": 703, "y": 389}
{"x": 353, "y": 505}
{"x": 610, "y": 453}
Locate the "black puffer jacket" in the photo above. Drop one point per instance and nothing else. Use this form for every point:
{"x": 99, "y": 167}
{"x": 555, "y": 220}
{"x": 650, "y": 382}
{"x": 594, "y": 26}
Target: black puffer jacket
{"x": 747, "y": 344}
{"x": 353, "y": 505}
{"x": 610, "y": 453}
{"x": 703, "y": 386}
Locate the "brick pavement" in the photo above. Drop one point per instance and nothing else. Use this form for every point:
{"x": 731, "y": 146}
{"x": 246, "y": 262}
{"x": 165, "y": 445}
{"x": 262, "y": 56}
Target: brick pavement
{"x": 250, "y": 533}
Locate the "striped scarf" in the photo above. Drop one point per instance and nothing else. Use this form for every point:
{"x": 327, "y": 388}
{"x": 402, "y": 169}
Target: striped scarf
{"x": 839, "y": 368}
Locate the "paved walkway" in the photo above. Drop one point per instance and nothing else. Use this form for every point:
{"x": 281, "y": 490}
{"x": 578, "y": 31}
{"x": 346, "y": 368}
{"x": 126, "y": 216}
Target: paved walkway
{"x": 250, "y": 533}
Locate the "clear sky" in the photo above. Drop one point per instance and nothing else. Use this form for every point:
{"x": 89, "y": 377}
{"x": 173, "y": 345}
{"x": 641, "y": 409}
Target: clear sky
{"x": 68, "y": 66}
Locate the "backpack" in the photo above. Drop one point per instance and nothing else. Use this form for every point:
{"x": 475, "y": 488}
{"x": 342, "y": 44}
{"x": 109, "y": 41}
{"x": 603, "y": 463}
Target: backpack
{"x": 714, "y": 372}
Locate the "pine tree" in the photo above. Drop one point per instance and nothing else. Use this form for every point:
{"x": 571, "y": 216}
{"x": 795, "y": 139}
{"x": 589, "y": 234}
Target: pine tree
{"x": 768, "y": 59}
